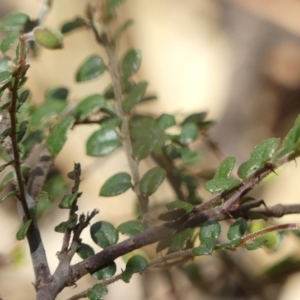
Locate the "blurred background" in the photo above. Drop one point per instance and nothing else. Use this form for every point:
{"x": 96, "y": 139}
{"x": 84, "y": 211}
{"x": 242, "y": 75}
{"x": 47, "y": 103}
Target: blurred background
{"x": 239, "y": 61}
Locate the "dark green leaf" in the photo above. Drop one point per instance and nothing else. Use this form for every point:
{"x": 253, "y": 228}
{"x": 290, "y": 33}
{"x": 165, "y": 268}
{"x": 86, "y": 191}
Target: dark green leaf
{"x": 116, "y": 185}
{"x": 22, "y": 130}
{"x": 13, "y": 22}
{"x": 209, "y": 229}
{"x": 230, "y": 245}
{"x": 48, "y": 37}
{"x": 180, "y": 239}
{"x": 22, "y": 232}
{"x": 97, "y": 292}
{"x": 68, "y": 200}
{"x": 103, "y": 142}
{"x": 84, "y": 251}
{"x": 206, "y": 248}
{"x": 57, "y": 93}
{"x": 152, "y": 180}
{"x": 166, "y": 121}
{"x": 237, "y": 229}
{"x": 9, "y": 194}
{"x": 222, "y": 184}
{"x": 30, "y": 141}
{"x": 136, "y": 264}
{"x": 291, "y": 141}
{"x": 106, "y": 272}
{"x": 256, "y": 245}
{"x": 23, "y": 95}
{"x": 265, "y": 150}
{"x": 249, "y": 167}
{"x": 196, "y": 118}
{"x": 64, "y": 226}
{"x": 9, "y": 40}
{"x": 72, "y": 25}
{"x": 180, "y": 204}
{"x": 91, "y": 68}
{"x": 58, "y": 135}
{"x": 134, "y": 96}
{"x": 5, "y": 133}
{"x": 104, "y": 234}
{"x": 172, "y": 214}
{"x": 131, "y": 62}
{"x": 163, "y": 244}
{"x": 89, "y": 105}
{"x": 110, "y": 122}
{"x": 188, "y": 133}
{"x": 131, "y": 228}
{"x": 225, "y": 168}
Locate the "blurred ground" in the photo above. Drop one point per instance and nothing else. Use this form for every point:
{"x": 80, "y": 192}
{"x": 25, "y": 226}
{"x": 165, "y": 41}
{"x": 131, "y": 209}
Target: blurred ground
{"x": 238, "y": 60}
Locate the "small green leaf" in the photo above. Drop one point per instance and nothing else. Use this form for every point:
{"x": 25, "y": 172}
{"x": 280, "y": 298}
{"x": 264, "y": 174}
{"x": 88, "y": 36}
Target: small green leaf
{"x": 180, "y": 204}
{"x": 166, "y": 121}
{"x": 206, "y": 248}
{"x": 136, "y": 264}
{"x": 256, "y": 245}
{"x": 72, "y": 25}
{"x": 265, "y": 150}
{"x": 222, "y": 184}
{"x": 70, "y": 224}
{"x": 9, "y": 194}
{"x": 237, "y": 229}
{"x": 9, "y": 40}
{"x": 68, "y": 200}
{"x": 225, "y": 168}
{"x": 180, "y": 239}
{"x": 188, "y": 133}
{"x": 58, "y": 135}
{"x": 89, "y": 105}
{"x": 172, "y": 214}
{"x": 5, "y": 77}
{"x": 104, "y": 234}
{"x": 249, "y": 167}
{"x": 22, "y": 232}
{"x": 84, "y": 251}
{"x": 131, "y": 62}
{"x": 13, "y": 22}
{"x": 197, "y": 118}
{"x": 22, "y": 130}
{"x": 291, "y": 141}
{"x": 10, "y": 176}
{"x": 23, "y": 96}
{"x": 110, "y": 7}
{"x": 102, "y": 142}
{"x": 57, "y": 93}
{"x": 116, "y": 185}
{"x": 97, "y": 292}
{"x": 91, "y": 68}
{"x": 152, "y": 180}
{"x": 131, "y": 228}
{"x": 209, "y": 229}
{"x": 134, "y": 96}
{"x": 48, "y": 37}
{"x": 106, "y": 272}
{"x": 230, "y": 245}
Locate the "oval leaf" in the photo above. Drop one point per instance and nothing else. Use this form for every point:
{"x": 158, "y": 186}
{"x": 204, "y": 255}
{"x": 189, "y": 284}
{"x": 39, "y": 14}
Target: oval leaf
{"x": 13, "y": 22}
{"x": 291, "y": 141}
{"x": 22, "y": 232}
{"x": 180, "y": 239}
{"x": 134, "y": 96}
{"x": 166, "y": 121}
{"x": 152, "y": 180}
{"x": 237, "y": 229}
{"x": 89, "y": 105}
{"x": 188, "y": 133}
{"x": 116, "y": 185}
{"x": 103, "y": 142}
{"x": 265, "y": 150}
{"x": 68, "y": 200}
{"x": 225, "y": 168}
{"x": 222, "y": 184}
{"x": 106, "y": 272}
{"x": 9, "y": 40}
{"x": 58, "y": 135}
{"x": 209, "y": 229}
{"x": 136, "y": 264}
{"x": 48, "y": 37}
{"x": 131, "y": 228}
{"x": 91, "y": 68}
{"x": 104, "y": 234}
{"x": 248, "y": 168}
{"x": 84, "y": 251}
{"x": 131, "y": 62}
{"x": 97, "y": 292}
